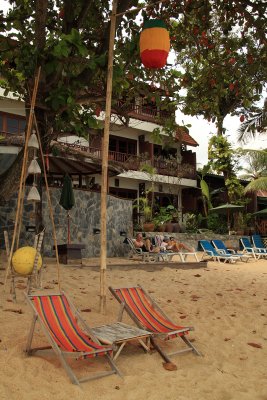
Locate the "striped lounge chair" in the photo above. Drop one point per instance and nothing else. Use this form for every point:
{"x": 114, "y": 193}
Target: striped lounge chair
{"x": 59, "y": 322}
{"x": 147, "y": 315}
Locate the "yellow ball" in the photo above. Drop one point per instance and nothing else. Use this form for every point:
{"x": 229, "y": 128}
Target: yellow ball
{"x": 23, "y": 260}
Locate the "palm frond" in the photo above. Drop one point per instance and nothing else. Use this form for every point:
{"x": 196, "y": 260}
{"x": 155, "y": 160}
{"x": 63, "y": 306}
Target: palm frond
{"x": 256, "y": 124}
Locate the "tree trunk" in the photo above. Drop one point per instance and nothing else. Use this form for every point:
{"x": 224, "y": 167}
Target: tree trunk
{"x": 220, "y": 125}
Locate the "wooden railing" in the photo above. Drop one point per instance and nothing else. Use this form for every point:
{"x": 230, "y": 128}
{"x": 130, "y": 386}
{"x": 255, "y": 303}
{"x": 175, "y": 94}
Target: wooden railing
{"x": 143, "y": 111}
{"x": 261, "y": 227}
{"x": 134, "y": 162}
{"x": 173, "y": 168}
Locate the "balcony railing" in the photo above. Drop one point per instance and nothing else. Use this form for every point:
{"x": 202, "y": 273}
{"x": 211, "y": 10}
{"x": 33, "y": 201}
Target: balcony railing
{"x": 133, "y": 162}
{"x": 173, "y": 168}
{"x": 144, "y": 112}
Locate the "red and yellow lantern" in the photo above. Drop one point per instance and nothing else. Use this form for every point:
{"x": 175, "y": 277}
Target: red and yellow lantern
{"x": 154, "y": 44}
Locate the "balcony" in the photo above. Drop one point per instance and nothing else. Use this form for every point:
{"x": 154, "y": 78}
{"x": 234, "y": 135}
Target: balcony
{"x": 149, "y": 113}
{"x": 173, "y": 168}
{"x": 134, "y": 162}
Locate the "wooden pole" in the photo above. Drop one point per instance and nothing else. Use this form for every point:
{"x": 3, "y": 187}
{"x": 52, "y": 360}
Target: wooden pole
{"x": 105, "y": 145}
{"x": 23, "y": 177}
{"x": 48, "y": 200}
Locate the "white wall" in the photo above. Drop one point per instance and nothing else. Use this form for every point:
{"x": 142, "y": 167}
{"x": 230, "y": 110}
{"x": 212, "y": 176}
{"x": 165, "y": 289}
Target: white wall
{"x": 12, "y": 106}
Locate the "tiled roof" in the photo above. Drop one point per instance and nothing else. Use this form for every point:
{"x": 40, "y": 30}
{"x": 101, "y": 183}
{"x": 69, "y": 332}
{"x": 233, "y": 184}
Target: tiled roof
{"x": 186, "y": 138}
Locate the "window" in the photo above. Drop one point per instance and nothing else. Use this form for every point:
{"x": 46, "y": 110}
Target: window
{"x": 123, "y": 193}
{"x": 123, "y": 145}
{"x": 117, "y": 182}
{"x": 11, "y": 123}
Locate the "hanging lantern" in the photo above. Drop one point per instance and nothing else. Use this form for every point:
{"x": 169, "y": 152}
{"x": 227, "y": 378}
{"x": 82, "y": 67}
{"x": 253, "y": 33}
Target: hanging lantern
{"x": 34, "y": 168}
{"x": 154, "y": 44}
{"x": 33, "y": 194}
{"x": 33, "y": 141}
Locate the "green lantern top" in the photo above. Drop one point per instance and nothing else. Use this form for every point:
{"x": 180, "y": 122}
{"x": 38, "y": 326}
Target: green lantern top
{"x": 154, "y": 23}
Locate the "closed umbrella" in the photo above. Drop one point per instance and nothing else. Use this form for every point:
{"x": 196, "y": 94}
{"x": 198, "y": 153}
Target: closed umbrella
{"x": 67, "y": 199}
{"x": 227, "y": 209}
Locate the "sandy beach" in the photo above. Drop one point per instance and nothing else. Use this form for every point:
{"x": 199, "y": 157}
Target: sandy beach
{"x": 226, "y": 304}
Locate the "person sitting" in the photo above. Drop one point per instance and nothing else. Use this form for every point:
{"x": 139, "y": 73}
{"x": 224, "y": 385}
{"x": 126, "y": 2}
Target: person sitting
{"x": 173, "y": 245}
{"x": 144, "y": 244}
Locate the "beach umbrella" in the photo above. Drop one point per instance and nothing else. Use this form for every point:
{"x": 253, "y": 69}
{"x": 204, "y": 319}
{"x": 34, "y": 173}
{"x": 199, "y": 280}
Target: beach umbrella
{"x": 227, "y": 209}
{"x": 261, "y": 213}
{"x": 67, "y": 199}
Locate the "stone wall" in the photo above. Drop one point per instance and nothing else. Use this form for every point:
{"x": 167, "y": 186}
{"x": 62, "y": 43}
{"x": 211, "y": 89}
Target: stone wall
{"x": 84, "y": 218}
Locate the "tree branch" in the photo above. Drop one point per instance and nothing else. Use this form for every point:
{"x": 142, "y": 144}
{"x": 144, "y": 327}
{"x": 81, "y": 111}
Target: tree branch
{"x": 40, "y": 23}
{"x": 84, "y": 12}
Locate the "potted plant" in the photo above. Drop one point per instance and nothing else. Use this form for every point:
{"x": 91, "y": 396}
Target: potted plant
{"x": 161, "y": 218}
{"x": 173, "y": 225}
{"x": 145, "y": 210}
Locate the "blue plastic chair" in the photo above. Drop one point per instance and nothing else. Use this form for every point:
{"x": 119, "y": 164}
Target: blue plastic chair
{"x": 250, "y": 249}
{"x": 211, "y": 252}
{"x": 221, "y": 248}
{"x": 258, "y": 243}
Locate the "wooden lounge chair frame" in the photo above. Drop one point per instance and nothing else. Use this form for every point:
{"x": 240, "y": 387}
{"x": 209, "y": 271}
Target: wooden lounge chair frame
{"x": 104, "y": 351}
{"x": 178, "y": 332}
{"x": 36, "y": 273}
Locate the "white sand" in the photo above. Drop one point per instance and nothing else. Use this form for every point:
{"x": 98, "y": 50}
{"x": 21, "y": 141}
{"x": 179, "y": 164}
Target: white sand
{"x": 226, "y": 304}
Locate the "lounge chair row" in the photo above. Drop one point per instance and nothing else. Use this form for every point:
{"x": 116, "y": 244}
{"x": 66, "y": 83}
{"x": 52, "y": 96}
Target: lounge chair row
{"x": 70, "y": 336}
{"x": 218, "y": 251}
{"x": 255, "y": 247}
{"x": 150, "y": 256}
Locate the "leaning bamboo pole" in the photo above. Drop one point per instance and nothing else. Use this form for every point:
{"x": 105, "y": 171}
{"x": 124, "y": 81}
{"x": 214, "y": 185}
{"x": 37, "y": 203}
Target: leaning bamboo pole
{"x": 104, "y": 177}
{"x": 48, "y": 200}
{"x": 23, "y": 173}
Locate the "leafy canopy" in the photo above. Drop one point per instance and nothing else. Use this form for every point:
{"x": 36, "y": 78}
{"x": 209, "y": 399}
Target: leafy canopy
{"x": 219, "y": 49}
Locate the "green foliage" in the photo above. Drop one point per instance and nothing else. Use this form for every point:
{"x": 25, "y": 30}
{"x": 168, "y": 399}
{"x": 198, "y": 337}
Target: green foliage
{"x": 235, "y": 190}
{"x": 148, "y": 168}
{"x": 255, "y": 122}
{"x": 217, "y": 44}
{"x": 223, "y": 159}
{"x": 144, "y": 207}
{"x": 254, "y": 163}
{"x": 222, "y": 58}
{"x": 217, "y": 223}
{"x": 220, "y": 154}
{"x": 243, "y": 221}
{"x": 205, "y": 195}
{"x": 161, "y": 217}
{"x": 193, "y": 222}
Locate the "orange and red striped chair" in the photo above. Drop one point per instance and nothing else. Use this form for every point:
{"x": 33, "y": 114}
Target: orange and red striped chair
{"x": 59, "y": 321}
{"x": 147, "y": 315}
